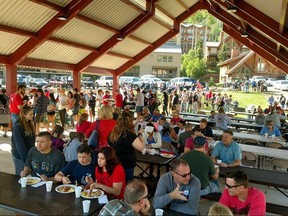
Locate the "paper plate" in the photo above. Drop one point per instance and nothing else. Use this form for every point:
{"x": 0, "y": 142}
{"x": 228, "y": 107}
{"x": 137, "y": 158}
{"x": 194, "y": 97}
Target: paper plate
{"x": 66, "y": 188}
{"x": 166, "y": 155}
{"x": 31, "y": 180}
{"x": 96, "y": 193}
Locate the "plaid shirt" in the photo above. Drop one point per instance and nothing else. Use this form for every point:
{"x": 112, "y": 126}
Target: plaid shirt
{"x": 117, "y": 207}
{"x": 41, "y": 104}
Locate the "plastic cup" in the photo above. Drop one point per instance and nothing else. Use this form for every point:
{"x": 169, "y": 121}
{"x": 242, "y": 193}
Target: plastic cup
{"x": 266, "y": 134}
{"x": 78, "y": 191}
{"x": 273, "y": 136}
{"x": 219, "y": 161}
{"x": 159, "y": 212}
{"x": 23, "y": 181}
{"x": 86, "y": 206}
{"x": 49, "y": 186}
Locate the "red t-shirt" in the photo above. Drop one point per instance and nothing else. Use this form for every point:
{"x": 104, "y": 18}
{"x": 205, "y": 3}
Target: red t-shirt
{"x": 105, "y": 128}
{"x": 189, "y": 143}
{"x": 175, "y": 120}
{"x": 83, "y": 127}
{"x": 119, "y": 101}
{"x": 117, "y": 176}
{"x": 105, "y": 101}
{"x": 255, "y": 203}
{"x": 15, "y": 101}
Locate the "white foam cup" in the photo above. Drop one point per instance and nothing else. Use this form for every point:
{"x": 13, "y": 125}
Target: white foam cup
{"x": 273, "y": 136}
{"x": 78, "y": 191}
{"x": 49, "y": 186}
{"x": 219, "y": 161}
{"x": 266, "y": 134}
{"x": 86, "y": 206}
{"x": 23, "y": 181}
{"x": 159, "y": 212}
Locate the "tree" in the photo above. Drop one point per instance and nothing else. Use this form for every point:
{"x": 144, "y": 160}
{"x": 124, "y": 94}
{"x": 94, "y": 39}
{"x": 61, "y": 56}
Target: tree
{"x": 222, "y": 55}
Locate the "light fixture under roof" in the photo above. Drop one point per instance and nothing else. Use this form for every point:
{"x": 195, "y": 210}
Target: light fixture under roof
{"x": 244, "y": 34}
{"x": 120, "y": 38}
{"x": 232, "y": 9}
{"x": 62, "y": 17}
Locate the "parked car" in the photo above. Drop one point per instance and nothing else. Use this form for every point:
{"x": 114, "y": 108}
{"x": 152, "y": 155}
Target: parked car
{"x": 152, "y": 80}
{"x": 135, "y": 81}
{"x": 257, "y": 78}
{"x": 87, "y": 82}
{"x": 183, "y": 81}
{"x": 270, "y": 81}
{"x": 104, "y": 81}
{"x": 281, "y": 84}
{"x": 37, "y": 82}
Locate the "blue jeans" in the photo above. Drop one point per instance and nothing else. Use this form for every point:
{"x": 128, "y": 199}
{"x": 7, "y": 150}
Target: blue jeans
{"x": 129, "y": 173}
{"x": 19, "y": 165}
{"x": 14, "y": 118}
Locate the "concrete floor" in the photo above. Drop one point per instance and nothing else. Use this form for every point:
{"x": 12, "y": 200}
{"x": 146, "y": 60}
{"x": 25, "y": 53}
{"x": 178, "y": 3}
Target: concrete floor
{"x": 6, "y": 165}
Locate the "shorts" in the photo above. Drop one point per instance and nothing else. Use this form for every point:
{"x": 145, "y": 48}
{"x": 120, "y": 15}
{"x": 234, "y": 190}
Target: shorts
{"x": 139, "y": 109}
{"x": 39, "y": 117}
{"x": 51, "y": 113}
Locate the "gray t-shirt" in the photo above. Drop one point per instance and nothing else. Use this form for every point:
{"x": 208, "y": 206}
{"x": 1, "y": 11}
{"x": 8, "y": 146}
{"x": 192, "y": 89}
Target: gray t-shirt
{"x": 166, "y": 184}
{"x": 48, "y": 164}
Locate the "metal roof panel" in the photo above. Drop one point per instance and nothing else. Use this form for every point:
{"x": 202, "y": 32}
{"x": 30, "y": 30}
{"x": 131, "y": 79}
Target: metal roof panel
{"x": 109, "y": 62}
{"x": 129, "y": 47}
{"x": 172, "y": 7}
{"x": 52, "y": 51}
{"x": 10, "y": 42}
{"x": 82, "y": 32}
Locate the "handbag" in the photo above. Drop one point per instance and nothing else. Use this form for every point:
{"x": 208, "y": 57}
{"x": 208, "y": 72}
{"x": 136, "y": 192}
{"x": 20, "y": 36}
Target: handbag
{"x": 93, "y": 140}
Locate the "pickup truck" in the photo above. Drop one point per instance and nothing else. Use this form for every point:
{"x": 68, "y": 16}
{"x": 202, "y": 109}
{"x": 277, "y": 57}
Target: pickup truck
{"x": 104, "y": 81}
{"x": 87, "y": 82}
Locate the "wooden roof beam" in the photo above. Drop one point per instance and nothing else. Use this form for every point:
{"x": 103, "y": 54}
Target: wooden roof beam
{"x": 260, "y": 20}
{"x": 17, "y": 31}
{"x": 256, "y": 48}
{"x": 124, "y": 32}
{"x": 284, "y": 16}
{"x": 254, "y": 36}
{"x": 74, "y": 7}
{"x": 161, "y": 40}
{"x": 48, "y": 4}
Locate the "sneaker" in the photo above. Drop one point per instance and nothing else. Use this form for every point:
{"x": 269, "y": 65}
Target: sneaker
{"x": 5, "y": 135}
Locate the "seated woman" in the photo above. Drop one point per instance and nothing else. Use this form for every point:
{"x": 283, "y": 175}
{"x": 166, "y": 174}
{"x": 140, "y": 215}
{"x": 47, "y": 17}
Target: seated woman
{"x": 150, "y": 137}
{"x": 270, "y": 129}
{"x": 222, "y": 120}
{"x": 57, "y": 137}
{"x": 70, "y": 149}
{"x": 77, "y": 171}
{"x": 83, "y": 123}
{"x": 156, "y": 116}
{"x": 146, "y": 113}
{"x": 109, "y": 174}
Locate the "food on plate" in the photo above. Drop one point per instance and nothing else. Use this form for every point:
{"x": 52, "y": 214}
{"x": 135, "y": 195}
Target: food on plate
{"x": 95, "y": 193}
{"x": 66, "y": 189}
{"x": 31, "y": 181}
{"x": 167, "y": 155}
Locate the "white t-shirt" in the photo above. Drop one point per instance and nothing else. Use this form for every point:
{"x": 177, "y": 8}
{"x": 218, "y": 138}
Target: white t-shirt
{"x": 139, "y": 99}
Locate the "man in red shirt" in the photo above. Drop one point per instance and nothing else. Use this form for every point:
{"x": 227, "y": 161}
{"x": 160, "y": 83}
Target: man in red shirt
{"x": 241, "y": 199}
{"x": 16, "y": 102}
{"x": 106, "y": 98}
{"x": 119, "y": 99}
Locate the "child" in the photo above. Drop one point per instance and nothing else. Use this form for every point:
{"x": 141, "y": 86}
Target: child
{"x": 140, "y": 124}
{"x": 57, "y": 140}
{"x": 83, "y": 123}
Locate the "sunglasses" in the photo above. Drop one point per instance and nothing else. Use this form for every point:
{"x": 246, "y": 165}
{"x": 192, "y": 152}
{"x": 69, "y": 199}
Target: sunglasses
{"x": 234, "y": 186}
{"x": 183, "y": 175}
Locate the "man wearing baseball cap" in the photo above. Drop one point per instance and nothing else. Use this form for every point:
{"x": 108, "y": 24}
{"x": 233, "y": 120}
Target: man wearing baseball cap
{"x": 202, "y": 167}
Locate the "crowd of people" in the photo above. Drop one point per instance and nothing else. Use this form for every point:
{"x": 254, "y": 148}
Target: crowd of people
{"x": 110, "y": 164}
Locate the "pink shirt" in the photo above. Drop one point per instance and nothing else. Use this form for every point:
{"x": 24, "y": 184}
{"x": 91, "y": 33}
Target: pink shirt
{"x": 255, "y": 203}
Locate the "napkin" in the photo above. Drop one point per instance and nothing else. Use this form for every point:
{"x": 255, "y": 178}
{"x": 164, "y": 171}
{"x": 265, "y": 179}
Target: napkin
{"x": 103, "y": 200}
{"x": 39, "y": 184}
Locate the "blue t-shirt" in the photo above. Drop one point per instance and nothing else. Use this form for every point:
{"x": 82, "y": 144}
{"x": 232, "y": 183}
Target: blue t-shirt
{"x": 78, "y": 172}
{"x": 228, "y": 154}
{"x": 275, "y": 131}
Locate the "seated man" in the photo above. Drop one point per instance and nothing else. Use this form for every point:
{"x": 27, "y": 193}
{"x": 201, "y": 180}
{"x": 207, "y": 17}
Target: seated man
{"x": 135, "y": 201}
{"x": 189, "y": 144}
{"x": 241, "y": 199}
{"x": 228, "y": 151}
{"x": 205, "y": 129}
{"x": 43, "y": 159}
{"x": 202, "y": 167}
{"x": 172, "y": 186}
{"x": 183, "y": 137}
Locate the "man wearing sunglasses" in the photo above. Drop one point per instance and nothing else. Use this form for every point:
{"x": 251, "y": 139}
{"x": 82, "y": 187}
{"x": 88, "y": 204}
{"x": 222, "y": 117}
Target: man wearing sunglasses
{"x": 135, "y": 201}
{"x": 179, "y": 189}
{"x": 228, "y": 151}
{"x": 241, "y": 199}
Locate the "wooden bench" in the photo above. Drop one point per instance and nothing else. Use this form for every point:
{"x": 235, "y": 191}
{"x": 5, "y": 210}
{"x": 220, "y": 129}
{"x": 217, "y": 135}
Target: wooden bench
{"x": 270, "y": 207}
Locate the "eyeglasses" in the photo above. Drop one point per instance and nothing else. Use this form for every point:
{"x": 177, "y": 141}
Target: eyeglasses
{"x": 270, "y": 124}
{"x": 234, "y": 186}
{"x": 143, "y": 198}
{"x": 183, "y": 175}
